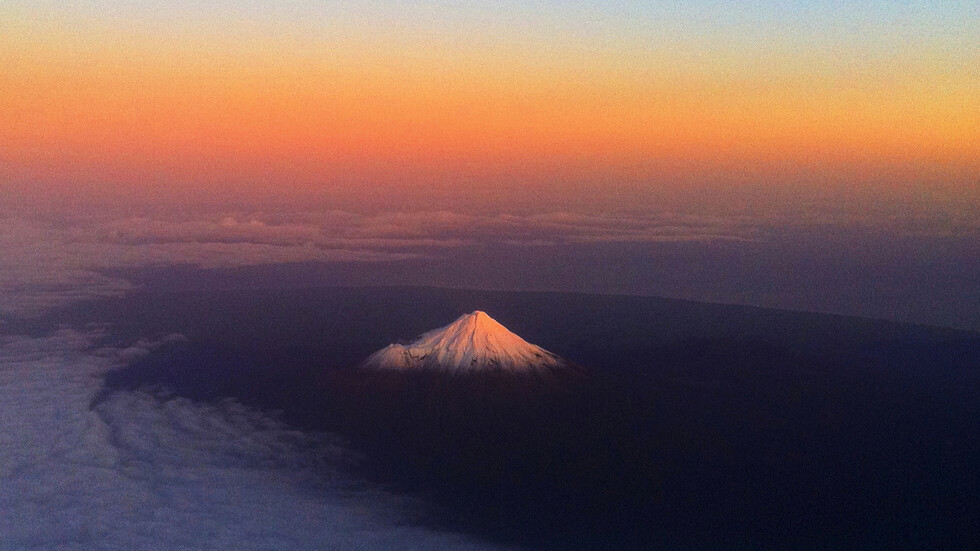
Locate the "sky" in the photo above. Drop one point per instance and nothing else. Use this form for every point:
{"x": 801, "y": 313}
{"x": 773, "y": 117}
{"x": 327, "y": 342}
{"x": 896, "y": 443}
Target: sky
{"x": 810, "y": 155}
{"x": 517, "y": 105}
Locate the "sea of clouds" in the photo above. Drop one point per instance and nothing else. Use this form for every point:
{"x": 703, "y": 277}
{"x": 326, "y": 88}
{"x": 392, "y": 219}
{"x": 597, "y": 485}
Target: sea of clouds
{"x": 896, "y": 264}
{"x": 83, "y": 469}
{"x": 53, "y": 260}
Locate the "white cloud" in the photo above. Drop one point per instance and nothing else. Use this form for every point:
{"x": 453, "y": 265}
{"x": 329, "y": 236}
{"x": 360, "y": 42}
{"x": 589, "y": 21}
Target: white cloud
{"x": 50, "y": 261}
{"x": 410, "y": 230}
{"x": 40, "y": 269}
{"x": 47, "y": 264}
{"x": 142, "y": 472}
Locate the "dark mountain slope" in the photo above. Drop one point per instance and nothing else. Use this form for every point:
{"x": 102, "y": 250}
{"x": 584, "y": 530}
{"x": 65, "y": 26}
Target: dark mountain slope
{"x": 691, "y": 425}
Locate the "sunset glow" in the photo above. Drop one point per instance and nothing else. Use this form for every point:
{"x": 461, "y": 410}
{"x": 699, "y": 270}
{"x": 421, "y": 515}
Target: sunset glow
{"x": 481, "y": 275}
{"x": 302, "y": 98}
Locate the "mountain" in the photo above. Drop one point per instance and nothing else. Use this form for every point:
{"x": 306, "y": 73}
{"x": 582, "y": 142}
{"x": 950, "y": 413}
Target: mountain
{"x": 675, "y": 424}
{"x": 474, "y": 342}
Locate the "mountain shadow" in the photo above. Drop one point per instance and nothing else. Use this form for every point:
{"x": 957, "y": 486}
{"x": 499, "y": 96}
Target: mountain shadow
{"x": 730, "y": 428}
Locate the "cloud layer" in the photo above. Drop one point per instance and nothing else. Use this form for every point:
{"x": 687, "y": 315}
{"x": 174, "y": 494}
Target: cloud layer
{"x": 50, "y": 262}
{"x": 143, "y": 472}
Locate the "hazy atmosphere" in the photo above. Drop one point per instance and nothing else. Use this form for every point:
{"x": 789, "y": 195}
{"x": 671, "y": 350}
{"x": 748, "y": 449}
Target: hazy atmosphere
{"x": 750, "y": 231}
{"x": 895, "y": 265}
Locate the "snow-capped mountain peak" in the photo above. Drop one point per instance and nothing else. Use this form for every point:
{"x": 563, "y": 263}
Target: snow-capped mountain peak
{"x": 473, "y": 342}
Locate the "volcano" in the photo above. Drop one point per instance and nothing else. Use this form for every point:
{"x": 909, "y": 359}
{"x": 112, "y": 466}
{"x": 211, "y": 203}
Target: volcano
{"x": 474, "y": 342}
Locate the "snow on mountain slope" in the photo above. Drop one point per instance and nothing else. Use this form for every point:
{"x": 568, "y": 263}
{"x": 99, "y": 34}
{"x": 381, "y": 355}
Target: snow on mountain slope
{"x": 473, "y": 342}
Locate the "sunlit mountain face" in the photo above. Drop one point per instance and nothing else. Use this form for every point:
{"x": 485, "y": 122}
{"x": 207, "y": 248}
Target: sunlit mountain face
{"x": 424, "y": 275}
{"x": 474, "y": 342}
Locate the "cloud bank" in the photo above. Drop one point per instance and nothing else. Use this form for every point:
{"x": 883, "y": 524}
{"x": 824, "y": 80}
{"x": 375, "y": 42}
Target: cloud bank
{"x": 143, "y": 472}
{"x": 52, "y": 261}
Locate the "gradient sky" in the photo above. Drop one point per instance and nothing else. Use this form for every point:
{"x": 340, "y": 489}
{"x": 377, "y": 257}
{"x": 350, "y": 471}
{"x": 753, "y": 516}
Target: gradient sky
{"x": 517, "y": 103}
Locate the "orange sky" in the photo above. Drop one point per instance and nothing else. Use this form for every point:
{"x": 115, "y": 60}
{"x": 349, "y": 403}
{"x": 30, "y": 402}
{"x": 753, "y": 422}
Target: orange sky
{"x": 102, "y": 106}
